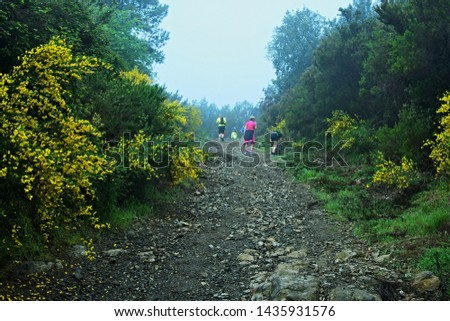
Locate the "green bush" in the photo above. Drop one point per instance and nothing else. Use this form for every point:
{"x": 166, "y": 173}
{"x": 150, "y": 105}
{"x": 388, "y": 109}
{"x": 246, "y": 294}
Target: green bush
{"x": 406, "y": 138}
{"x": 437, "y": 260}
{"x": 427, "y": 213}
{"x": 322, "y": 180}
{"x": 122, "y": 217}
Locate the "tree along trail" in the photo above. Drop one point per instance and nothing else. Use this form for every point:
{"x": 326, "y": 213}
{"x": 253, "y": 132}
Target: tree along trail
{"x": 250, "y": 233}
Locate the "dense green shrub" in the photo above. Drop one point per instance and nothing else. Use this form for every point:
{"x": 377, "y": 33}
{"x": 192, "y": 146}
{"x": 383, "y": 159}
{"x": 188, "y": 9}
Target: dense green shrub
{"x": 406, "y": 137}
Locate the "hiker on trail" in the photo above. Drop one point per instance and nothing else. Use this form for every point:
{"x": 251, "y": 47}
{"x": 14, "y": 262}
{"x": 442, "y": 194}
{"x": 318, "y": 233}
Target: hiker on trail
{"x": 221, "y": 122}
{"x": 275, "y": 139}
{"x": 249, "y": 135}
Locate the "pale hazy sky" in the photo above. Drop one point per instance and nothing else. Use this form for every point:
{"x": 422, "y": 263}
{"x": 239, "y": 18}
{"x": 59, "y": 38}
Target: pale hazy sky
{"x": 217, "y": 48}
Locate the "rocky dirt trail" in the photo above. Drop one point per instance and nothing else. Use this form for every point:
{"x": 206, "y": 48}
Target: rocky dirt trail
{"x": 250, "y": 234}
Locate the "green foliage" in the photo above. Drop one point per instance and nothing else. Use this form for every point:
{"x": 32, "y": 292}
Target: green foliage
{"x": 122, "y": 217}
{"x": 51, "y": 157}
{"x": 381, "y": 90}
{"x": 31, "y": 23}
{"x": 57, "y": 179}
{"x": 124, "y": 36}
{"x": 440, "y": 148}
{"x": 372, "y": 66}
{"x": 134, "y": 34}
{"x": 426, "y": 216}
{"x": 339, "y": 60}
{"x": 144, "y": 202}
{"x": 418, "y": 53}
{"x": 330, "y": 83}
{"x": 345, "y": 199}
{"x": 354, "y": 134}
{"x": 297, "y": 107}
{"x": 437, "y": 260}
{"x": 193, "y": 119}
{"x": 406, "y": 137}
{"x": 342, "y": 126}
{"x": 123, "y": 106}
{"x": 322, "y": 180}
{"x": 379, "y": 215}
{"x": 144, "y": 131}
{"x": 394, "y": 175}
{"x": 382, "y": 215}
{"x": 291, "y": 49}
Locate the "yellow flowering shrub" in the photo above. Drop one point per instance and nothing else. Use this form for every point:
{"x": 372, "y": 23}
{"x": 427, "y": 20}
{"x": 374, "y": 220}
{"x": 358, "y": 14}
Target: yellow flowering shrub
{"x": 136, "y": 77}
{"x": 136, "y": 154}
{"x": 135, "y": 103}
{"x": 184, "y": 163}
{"x": 393, "y": 175}
{"x": 440, "y": 148}
{"x": 48, "y": 155}
{"x": 342, "y": 126}
{"x": 160, "y": 156}
{"x": 160, "y": 149}
{"x": 173, "y": 115}
{"x": 280, "y": 126}
{"x": 193, "y": 119}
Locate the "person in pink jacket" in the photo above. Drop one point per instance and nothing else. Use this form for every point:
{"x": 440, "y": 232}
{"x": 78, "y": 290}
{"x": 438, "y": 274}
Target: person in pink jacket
{"x": 249, "y": 135}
